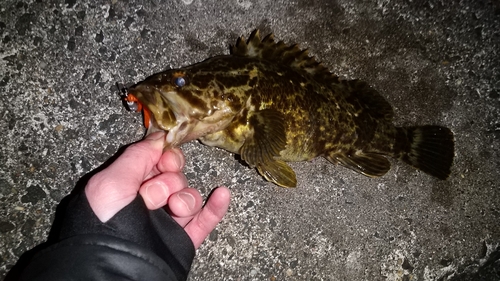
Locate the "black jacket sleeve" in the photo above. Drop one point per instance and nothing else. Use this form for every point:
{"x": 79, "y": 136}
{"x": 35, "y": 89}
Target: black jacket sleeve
{"x": 136, "y": 244}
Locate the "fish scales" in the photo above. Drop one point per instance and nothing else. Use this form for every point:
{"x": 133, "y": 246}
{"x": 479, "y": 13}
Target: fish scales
{"x": 272, "y": 103}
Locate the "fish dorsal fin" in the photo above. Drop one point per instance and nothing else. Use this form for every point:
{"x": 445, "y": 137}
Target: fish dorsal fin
{"x": 358, "y": 92}
{"x": 365, "y": 98}
{"x": 279, "y": 52}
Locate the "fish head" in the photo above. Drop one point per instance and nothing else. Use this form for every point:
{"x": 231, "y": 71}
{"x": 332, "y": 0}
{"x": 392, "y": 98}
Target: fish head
{"x": 172, "y": 103}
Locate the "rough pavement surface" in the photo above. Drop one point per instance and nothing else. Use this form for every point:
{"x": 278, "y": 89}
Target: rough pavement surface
{"x": 437, "y": 62}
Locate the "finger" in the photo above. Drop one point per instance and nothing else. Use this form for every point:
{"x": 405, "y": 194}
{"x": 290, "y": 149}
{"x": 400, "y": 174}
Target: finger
{"x": 205, "y": 221}
{"x": 116, "y": 186}
{"x": 157, "y": 190}
{"x": 183, "y": 205}
{"x": 172, "y": 160}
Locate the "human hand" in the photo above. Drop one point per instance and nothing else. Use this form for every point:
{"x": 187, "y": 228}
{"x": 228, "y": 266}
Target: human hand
{"x": 157, "y": 176}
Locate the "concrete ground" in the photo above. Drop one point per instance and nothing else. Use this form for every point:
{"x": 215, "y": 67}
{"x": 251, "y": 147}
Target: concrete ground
{"x": 437, "y": 62}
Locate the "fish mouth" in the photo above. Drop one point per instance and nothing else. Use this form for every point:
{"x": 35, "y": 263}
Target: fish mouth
{"x": 162, "y": 111}
{"x": 156, "y": 109}
{"x": 133, "y": 104}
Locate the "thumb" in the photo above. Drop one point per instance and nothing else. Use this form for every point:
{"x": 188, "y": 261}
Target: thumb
{"x": 116, "y": 186}
{"x": 137, "y": 161}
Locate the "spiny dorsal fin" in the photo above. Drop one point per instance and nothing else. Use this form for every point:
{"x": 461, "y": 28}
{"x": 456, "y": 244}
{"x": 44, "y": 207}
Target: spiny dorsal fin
{"x": 279, "y": 52}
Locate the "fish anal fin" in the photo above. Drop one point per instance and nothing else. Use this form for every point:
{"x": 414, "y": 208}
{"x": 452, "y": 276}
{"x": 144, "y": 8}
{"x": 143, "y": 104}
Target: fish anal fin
{"x": 278, "y": 172}
{"x": 368, "y": 164}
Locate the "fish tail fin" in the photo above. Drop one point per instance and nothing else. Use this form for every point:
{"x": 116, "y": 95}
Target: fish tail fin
{"x": 427, "y": 148}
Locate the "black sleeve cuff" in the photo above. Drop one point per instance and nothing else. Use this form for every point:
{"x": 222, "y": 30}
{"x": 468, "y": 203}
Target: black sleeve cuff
{"x": 134, "y": 240}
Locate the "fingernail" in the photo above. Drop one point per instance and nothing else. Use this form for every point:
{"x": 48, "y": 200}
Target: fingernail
{"x": 157, "y": 194}
{"x": 188, "y": 199}
{"x": 177, "y": 159}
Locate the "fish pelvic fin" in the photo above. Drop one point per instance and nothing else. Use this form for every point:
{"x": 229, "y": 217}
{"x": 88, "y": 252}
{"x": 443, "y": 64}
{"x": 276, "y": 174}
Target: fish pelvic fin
{"x": 428, "y": 148}
{"x": 278, "y": 172}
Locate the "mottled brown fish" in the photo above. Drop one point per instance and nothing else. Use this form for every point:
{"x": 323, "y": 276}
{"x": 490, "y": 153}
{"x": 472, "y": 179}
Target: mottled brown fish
{"x": 273, "y": 103}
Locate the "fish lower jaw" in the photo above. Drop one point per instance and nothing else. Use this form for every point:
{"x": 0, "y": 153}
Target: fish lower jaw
{"x": 178, "y": 134}
{"x": 170, "y": 138}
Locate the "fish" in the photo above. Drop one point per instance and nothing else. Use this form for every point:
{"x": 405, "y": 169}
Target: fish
{"x": 273, "y": 103}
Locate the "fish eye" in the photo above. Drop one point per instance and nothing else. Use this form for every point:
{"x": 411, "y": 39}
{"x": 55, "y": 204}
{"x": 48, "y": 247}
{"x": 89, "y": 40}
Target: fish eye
{"x": 180, "y": 81}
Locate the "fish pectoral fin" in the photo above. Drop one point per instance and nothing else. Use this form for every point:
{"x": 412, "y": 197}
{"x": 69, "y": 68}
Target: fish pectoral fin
{"x": 368, "y": 164}
{"x": 266, "y": 137}
{"x": 278, "y": 172}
